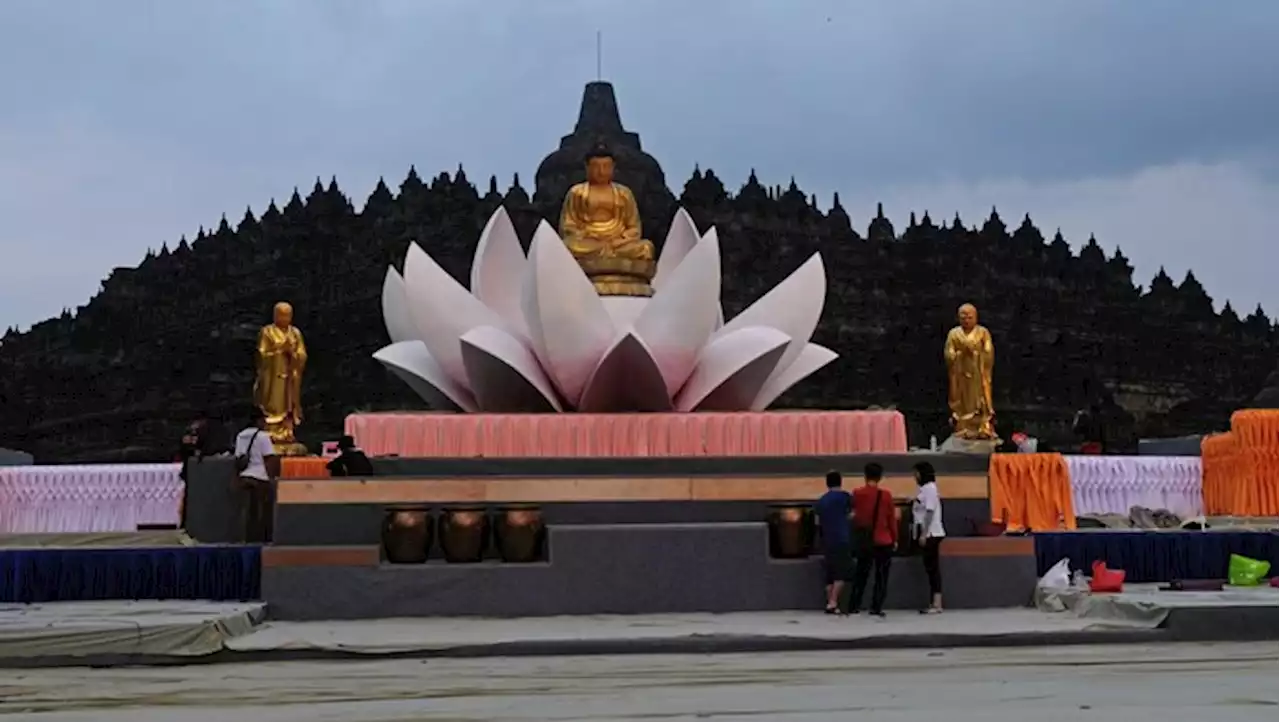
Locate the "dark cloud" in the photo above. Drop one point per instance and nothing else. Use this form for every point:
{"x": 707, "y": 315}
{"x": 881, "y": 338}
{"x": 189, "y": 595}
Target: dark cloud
{"x": 127, "y": 123}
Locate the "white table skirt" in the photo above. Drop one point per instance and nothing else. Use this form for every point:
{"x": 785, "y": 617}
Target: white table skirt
{"x": 95, "y": 498}
{"x": 1114, "y": 484}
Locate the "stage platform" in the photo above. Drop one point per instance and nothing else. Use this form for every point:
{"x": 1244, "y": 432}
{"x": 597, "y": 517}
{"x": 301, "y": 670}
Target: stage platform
{"x": 120, "y": 633}
{"x": 574, "y": 491}
{"x": 622, "y": 569}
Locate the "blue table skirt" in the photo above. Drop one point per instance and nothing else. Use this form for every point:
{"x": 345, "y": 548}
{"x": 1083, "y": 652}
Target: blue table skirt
{"x": 222, "y": 573}
{"x": 1156, "y": 556}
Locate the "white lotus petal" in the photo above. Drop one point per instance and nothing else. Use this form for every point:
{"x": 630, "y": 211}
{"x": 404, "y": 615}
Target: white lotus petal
{"x": 733, "y": 369}
{"x": 413, "y": 364}
{"x": 812, "y": 358}
{"x": 395, "y": 308}
{"x": 681, "y": 238}
{"x": 623, "y": 311}
{"x": 568, "y": 325}
{"x": 504, "y": 373}
{"x": 627, "y": 379}
{"x": 792, "y": 307}
{"x": 681, "y": 316}
{"x": 498, "y": 270}
{"x": 442, "y": 310}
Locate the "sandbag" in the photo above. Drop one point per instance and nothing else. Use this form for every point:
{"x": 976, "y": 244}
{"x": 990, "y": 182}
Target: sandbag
{"x": 1245, "y": 572}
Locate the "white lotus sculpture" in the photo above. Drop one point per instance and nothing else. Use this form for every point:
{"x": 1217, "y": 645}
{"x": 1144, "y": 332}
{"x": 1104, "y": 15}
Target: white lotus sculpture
{"x": 532, "y": 334}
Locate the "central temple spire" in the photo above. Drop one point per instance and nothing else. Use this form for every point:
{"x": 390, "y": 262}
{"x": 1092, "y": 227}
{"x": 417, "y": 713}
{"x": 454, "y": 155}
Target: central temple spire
{"x": 599, "y": 121}
{"x": 598, "y": 114}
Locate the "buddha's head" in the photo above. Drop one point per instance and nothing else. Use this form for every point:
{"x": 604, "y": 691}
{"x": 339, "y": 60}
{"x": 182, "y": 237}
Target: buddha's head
{"x": 282, "y": 315}
{"x": 968, "y": 316}
{"x": 600, "y": 165}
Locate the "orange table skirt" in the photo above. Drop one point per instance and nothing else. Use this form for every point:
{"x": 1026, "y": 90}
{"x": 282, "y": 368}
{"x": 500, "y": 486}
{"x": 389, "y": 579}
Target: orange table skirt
{"x": 1239, "y": 480}
{"x": 768, "y": 433}
{"x": 304, "y": 467}
{"x": 1257, "y": 428}
{"x": 1034, "y": 490}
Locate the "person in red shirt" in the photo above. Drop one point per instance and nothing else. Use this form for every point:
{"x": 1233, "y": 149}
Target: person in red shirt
{"x": 875, "y": 536}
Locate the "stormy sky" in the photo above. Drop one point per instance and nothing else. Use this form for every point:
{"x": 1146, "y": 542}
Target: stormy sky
{"x": 126, "y": 124}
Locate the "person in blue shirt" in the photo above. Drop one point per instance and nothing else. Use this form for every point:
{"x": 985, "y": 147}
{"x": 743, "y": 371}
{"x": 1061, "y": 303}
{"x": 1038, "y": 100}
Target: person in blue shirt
{"x": 834, "y": 510}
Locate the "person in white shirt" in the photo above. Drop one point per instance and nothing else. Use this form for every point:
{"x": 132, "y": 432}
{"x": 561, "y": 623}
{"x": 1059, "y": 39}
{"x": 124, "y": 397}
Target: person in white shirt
{"x": 926, "y": 518}
{"x": 256, "y": 464}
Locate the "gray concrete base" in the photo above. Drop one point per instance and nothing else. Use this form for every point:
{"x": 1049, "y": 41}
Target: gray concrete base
{"x": 625, "y": 569}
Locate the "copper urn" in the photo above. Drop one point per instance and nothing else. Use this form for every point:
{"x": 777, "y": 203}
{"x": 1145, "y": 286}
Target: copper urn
{"x": 520, "y": 534}
{"x": 464, "y": 534}
{"x": 406, "y": 535}
{"x": 790, "y": 531}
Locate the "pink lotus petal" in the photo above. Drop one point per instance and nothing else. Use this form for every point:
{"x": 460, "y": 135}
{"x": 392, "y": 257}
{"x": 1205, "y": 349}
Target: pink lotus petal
{"x": 681, "y": 316}
{"x": 627, "y": 379}
{"x": 732, "y": 370}
{"x": 812, "y": 358}
{"x": 413, "y": 364}
{"x": 568, "y": 325}
{"x": 497, "y": 271}
{"x": 504, "y": 373}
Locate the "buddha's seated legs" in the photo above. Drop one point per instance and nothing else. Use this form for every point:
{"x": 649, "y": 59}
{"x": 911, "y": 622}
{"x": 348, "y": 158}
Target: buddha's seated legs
{"x": 640, "y": 250}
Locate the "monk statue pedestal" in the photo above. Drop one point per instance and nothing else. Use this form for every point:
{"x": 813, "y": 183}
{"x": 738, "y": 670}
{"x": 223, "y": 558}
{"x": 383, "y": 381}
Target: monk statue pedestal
{"x": 956, "y": 444}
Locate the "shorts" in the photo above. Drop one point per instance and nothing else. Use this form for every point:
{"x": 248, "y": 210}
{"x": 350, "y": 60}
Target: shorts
{"x": 837, "y": 564}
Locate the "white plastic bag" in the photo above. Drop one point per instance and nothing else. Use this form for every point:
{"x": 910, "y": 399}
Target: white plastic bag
{"x": 1058, "y": 578}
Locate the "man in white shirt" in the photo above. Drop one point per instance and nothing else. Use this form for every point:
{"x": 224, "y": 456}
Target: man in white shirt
{"x": 258, "y": 468}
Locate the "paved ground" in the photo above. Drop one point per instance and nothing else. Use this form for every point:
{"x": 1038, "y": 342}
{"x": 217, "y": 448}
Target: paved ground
{"x": 1221, "y": 682}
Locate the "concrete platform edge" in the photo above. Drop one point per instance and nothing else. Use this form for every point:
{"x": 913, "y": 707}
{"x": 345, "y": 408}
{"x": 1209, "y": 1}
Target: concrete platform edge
{"x": 692, "y": 644}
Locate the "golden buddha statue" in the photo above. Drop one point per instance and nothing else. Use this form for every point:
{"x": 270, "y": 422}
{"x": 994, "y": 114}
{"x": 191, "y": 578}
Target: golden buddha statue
{"x": 970, "y": 357}
{"x": 600, "y": 224}
{"x": 277, "y": 388}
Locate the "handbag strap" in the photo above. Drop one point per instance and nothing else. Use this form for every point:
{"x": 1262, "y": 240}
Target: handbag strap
{"x": 875, "y": 512}
{"x": 248, "y": 450}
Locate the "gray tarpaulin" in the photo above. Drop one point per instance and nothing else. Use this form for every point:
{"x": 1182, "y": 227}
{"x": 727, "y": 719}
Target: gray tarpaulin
{"x": 122, "y": 628}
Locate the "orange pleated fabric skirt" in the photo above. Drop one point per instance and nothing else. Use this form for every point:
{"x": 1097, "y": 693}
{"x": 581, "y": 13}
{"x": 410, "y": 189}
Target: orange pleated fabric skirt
{"x": 304, "y": 467}
{"x": 1031, "y": 492}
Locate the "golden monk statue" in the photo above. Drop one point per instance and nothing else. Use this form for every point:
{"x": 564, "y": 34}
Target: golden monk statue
{"x": 970, "y": 356}
{"x": 277, "y": 387}
{"x": 600, "y": 224}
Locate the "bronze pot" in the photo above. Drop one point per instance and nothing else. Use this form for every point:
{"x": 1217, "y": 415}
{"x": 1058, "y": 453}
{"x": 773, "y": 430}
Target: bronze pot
{"x": 790, "y": 531}
{"x": 464, "y": 534}
{"x": 406, "y": 535}
{"x": 520, "y": 534}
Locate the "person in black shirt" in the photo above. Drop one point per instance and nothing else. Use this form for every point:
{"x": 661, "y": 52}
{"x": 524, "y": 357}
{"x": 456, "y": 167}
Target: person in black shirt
{"x": 350, "y": 461}
{"x": 834, "y": 510}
